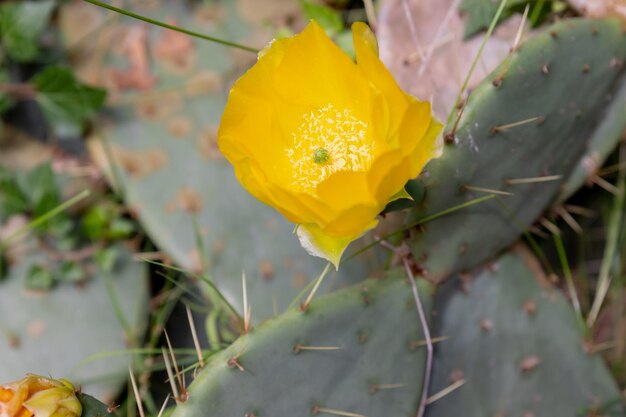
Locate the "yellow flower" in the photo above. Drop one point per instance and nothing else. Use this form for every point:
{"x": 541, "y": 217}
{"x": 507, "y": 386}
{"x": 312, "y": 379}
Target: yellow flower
{"x": 37, "y": 396}
{"x": 324, "y": 140}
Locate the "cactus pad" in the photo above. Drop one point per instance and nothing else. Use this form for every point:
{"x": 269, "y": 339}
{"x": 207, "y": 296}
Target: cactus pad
{"x": 51, "y": 333}
{"x": 374, "y": 365}
{"x": 515, "y": 341}
{"x": 523, "y": 131}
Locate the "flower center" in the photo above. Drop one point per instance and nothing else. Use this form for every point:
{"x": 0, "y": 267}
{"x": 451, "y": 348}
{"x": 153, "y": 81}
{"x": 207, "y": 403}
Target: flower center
{"x": 320, "y": 156}
{"x": 328, "y": 140}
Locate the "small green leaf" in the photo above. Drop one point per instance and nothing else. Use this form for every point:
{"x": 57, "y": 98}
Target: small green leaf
{"x": 120, "y": 228}
{"x": 21, "y": 24}
{"x": 12, "y": 199}
{"x": 71, "y": 272}
{"x": 39, "y": 277}
{"x": 66, "y": 103}
{"x": 61, "y": 227}
{"x": 5, "y": 101}
{"x": 41, "y": 190}
{"x": 106, "y": 258}
{"x": 40, "y": 187}
{"x": 4, "y": 265}
{"x": 329, "y": 19}
{"x": 95, "y": 222}
{"x": 344, "y": 40}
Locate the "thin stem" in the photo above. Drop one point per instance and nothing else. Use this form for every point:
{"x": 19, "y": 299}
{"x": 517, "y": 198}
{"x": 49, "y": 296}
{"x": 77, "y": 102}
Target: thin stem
{"x": 558, "y": 242}
{"x": 613, "y": 227}
{"x": 422, "y": 221}
{"x": 172, "y": 27}
{"x": 117, "y": 308}
{"x": 534, "y": 17}
{"x": 46, "y": 216}
{"x": 202, "y": 278}
{"x": 478, "y": 55}
{"x": 427, "y": 337}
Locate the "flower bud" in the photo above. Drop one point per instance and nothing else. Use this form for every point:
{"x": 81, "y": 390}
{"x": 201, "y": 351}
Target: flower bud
{"x": 37, "y": 396}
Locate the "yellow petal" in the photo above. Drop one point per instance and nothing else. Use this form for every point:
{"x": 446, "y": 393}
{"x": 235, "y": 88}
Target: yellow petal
{"x": 431, "y": 146}
{"x": 333, "y": 189}
{"x": 318, "y": 243}
{"x": 354, "y": 220}
{"x": 299, "y": 207}
{"x": 375, "y": 71}
{"x": 316, "y": 72}
{"x": 389, "y": 173}
{"x": 415, "y": 123}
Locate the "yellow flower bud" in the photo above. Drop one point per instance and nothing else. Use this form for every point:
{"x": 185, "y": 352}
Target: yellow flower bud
{"x": 37, "y": 396}
{"x": 325, "y": 140}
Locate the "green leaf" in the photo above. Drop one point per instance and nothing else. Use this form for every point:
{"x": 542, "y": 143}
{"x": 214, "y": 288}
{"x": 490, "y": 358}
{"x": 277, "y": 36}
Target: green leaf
{"x": 61, "y": 227}
{"x": 66, "y": 103}
{"x": 106, "y": 258}
{"x": 95, "y": 222}
{"x": 103, "y": 222}
{"x": 71, "y": 272}
{"x": 120, "y": 228}
{"x": 5, "y": 101}
{"x": 344, "y": 40}
{"x": 39, "y": 277}
{"x": 41, "y": 191}
{"x": 21, "y": 24}
{"x": 12, "y": 199}
{"x": 4, "y": 265}
{"x": 329, "y": 19}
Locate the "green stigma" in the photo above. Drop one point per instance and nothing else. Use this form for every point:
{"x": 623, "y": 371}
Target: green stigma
{"x": 320, "y": 156}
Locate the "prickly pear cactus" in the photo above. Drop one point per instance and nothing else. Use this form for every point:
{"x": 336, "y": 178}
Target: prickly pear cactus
{"x": 164, "y": 152}
{"x": 515, "y": 342}
{"x": 604, "y": 139}
{"x": 358, "y": 351}
{"x": 56, "y": 332}
{"x": 522, "y": 132}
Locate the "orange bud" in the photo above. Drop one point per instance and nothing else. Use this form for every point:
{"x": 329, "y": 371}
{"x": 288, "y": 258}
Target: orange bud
{"x": 37, "y": 396}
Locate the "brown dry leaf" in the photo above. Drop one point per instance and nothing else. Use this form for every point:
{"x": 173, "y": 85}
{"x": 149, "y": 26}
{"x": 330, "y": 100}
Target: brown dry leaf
{"x": 78, "y": 20}
{"x": 432, "y": 62}
{"x": 134, "y": 47}
{"x": 601, "y": 8}
{"x": 89, "y": 33}
{"x": 19, "y": 151}
{"x": 175, "y": 50}
{"x": 137, "y": 163}
{"x": 277, "y": 12}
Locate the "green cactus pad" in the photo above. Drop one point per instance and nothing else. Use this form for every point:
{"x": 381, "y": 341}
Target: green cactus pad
{"x": 605, "y": 138}
{"x": 93, "y": 407}
{"x": 516, "y": 343}
{"x": 531, "y": 118}
{"x": 377, "y": 370}
{"x": 171, "y": 171}
{"x": 53, "y": 332}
